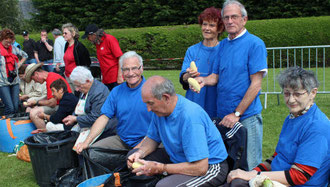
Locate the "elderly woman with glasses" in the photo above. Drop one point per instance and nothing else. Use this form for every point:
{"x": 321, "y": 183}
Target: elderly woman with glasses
{"x": 9, "y": 63}
{"x": 302, "y": 155}
{"x": 75, "y": 53}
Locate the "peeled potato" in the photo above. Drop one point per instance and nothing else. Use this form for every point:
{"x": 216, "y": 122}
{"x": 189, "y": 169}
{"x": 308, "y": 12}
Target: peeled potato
{"x": 25, "y": 103}
{"x": 267, "y": 183}
{"x": 193, "y": 66}
{"x": 193, "y": 82}
{"x": 136, "y": 165}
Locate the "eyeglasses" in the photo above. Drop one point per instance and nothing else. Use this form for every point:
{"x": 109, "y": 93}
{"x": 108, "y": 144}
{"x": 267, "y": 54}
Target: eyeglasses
{"x": 65, "y": 33}
{"x": 294, "y": 94}
{"x": 134, "y": 69}
{"x": 232, "y": 17}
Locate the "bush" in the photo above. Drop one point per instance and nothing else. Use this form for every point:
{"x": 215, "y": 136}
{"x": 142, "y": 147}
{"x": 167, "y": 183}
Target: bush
{"x": 173, "y": 41}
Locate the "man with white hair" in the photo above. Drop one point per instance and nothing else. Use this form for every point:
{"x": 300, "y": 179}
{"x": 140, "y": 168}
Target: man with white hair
{"x": 238, "y": 75}
{"x": 125, "y": 103}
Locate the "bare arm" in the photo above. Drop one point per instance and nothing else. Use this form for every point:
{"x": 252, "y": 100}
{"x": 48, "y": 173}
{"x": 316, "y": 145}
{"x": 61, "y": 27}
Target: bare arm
{"x": 36, "y": 56}
{"x": 120, "y": 76}
{"x": 278, "y": 176}
{"x": 252, "y": 92}
{"x": 96, "y": 129}
{"x": 50, "y": 102}
{"x": 210, "y": 80}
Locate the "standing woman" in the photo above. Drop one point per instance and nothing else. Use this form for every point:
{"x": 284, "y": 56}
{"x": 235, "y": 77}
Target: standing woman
{"x": 75, "y": 53}
{"x": 204, "y": 54}
{"x": 9, "y": 80}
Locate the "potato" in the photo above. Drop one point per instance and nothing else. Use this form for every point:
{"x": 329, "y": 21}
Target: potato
{"x": 25, "y": 103}
{"x": 193, "y": 66}
{"x": 136, "y": 165}
{"x": 193, "y": 82}
{"x": 267, "y": 183}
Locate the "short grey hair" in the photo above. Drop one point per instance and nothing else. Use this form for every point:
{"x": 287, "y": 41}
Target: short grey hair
{"x": 72, "y": 29}
{"x": 297, "y": 77}
{"x": 234, "y": 2}
{"x": 164, "y": 87}
{"x": 130, "y": 54}
{"x": 81, "y": 74}
{"x": 56, "y": 32}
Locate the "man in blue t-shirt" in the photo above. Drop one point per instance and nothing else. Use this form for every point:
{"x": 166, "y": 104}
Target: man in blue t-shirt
{"x": 238, "y": 74}
{"x": 193, "y": 152}
{"x": 125, "y": 103}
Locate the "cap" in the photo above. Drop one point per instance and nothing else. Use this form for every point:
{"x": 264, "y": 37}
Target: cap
{"x": 25, "y": 33}
{"x": 90, "y": 29}
{"x": 30, "y": 69}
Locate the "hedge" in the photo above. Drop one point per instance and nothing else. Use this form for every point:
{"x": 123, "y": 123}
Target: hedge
{"x": 173, "y": 41}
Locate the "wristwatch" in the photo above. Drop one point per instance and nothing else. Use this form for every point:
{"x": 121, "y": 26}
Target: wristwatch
{"x": 237, "y": 114}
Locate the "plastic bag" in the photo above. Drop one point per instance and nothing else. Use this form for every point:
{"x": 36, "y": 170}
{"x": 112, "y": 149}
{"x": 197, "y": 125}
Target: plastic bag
{"x": 64, "y": 177}
{"x": 53, "y": 137}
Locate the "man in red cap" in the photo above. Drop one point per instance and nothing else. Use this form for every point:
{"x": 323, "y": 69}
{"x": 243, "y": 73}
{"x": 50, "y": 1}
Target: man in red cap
{"x": 108, "y": 52}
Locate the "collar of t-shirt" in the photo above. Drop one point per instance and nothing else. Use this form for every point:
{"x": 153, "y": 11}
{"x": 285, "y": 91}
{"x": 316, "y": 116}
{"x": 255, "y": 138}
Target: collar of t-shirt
{"x": 242, "y": 33}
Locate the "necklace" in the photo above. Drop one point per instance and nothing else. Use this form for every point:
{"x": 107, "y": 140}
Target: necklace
{"x": 210, "y": 50}
{"x": 301, "y": 112}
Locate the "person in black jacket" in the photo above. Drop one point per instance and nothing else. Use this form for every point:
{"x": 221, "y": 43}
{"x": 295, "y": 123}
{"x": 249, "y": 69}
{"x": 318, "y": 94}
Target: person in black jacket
{"x": 67, "y": 105}
{"x": 75, "y": 53}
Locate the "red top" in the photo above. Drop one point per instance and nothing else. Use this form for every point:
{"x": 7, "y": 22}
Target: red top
{"x": 108, "y": 53}
{"x": 50, "y": 79}
{"x": 69, "y": 61}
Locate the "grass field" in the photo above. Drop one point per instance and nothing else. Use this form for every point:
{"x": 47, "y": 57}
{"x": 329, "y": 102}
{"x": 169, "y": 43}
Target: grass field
{"x": 14, "y": 172}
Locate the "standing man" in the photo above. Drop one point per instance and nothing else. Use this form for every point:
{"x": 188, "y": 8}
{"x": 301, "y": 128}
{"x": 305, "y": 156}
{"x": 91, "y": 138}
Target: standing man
{"x": 108, "y": 52}
{"x": 238, "y": 75}
{"x": 28, "y": 46}
{"x": 59, "y": 52}
{"x": 194, "y": 153}
{"x": 43, "y": 51}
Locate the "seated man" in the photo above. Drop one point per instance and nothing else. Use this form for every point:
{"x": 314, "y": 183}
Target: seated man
{"x": 32, "y": 91}
{"x": 67, "y": 104}
{"x": 194, "y": 151}
{"x": 92, "y": 97}
{"x": 49, "y": 105}
{"x": 124, "y": 102}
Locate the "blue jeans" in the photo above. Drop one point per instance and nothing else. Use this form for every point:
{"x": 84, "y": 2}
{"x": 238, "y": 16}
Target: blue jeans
{"x": 48, "y": 65}
{"x": 10, "y": 98}
{"x": 254, "y": 128}
{"x": 31, "y": 61}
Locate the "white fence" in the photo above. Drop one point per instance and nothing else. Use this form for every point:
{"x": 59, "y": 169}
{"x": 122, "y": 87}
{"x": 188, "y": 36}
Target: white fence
{"x": 315, "y": 58}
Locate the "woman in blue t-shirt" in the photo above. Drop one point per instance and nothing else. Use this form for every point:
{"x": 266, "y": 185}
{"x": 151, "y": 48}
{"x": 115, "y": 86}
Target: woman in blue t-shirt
{"x": 204, "y": 54}
{"x": 302, "y": 155}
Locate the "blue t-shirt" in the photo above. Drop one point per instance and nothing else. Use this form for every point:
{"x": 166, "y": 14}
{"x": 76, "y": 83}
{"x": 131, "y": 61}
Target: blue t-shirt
{"x": 239, "y": 58}
{"x": 204, "y": 58}
{"x": 133, "y": 117}
{"x": 188, "y": 134}
{"x": 305, "y": 140}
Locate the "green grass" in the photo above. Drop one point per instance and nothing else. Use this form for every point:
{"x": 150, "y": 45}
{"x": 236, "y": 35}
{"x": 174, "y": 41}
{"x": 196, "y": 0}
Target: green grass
{"x": 18, "y": 173}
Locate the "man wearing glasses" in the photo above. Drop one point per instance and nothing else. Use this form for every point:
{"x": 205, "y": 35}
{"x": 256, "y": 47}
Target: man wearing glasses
{"x": 125, "y": 103}
{"x": 238, "y": 75}
{"x": 108, "y": 52}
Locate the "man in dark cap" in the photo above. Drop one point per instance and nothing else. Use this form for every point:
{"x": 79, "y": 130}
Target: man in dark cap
{"x": 108, "y": 52}
{"x": 28, "y": 47}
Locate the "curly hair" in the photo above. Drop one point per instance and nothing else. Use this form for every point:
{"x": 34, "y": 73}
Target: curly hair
{"x": 212, "y": 14}
{"x": 7, "y": 33}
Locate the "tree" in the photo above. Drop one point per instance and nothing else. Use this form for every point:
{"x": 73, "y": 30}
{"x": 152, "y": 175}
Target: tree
{"x": 9, "y": 15}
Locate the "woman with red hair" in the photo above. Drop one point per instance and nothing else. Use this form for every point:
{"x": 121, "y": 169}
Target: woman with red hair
{"x": 9, "y": 63}
{"x": 204, "y": 54}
